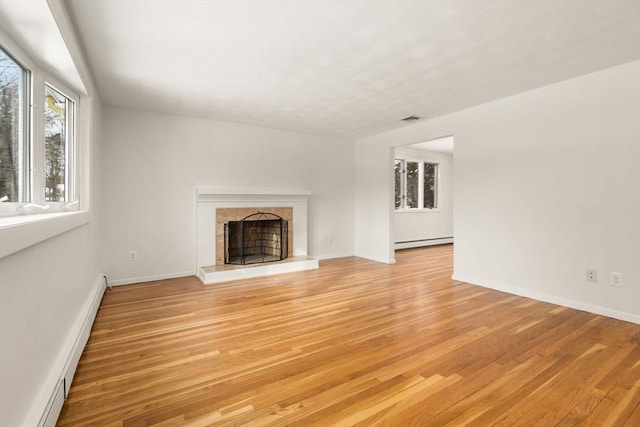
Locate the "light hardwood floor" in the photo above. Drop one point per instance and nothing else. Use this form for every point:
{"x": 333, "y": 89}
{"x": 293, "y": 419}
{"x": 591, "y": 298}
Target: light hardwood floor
{"x": 353, "y": 343}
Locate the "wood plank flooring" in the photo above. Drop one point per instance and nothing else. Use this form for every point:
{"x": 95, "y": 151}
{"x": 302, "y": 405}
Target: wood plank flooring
{"x": 353, "y": 343}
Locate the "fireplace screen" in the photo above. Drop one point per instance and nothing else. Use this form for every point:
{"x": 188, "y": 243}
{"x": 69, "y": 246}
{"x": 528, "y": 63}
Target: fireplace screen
{"x": 257, "y": 238}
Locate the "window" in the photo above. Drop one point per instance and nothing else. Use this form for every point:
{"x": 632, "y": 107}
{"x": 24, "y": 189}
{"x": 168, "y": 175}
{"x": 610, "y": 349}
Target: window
{"x": 398, "y": 168}
{"x": 429, "y": 179}
{"x": 58, "y": 146}
{"x": 14, "y": 135}
{"x": 416, "y": 184}
{"x": 412, "y": 187}
{"x": 37, "y": 140}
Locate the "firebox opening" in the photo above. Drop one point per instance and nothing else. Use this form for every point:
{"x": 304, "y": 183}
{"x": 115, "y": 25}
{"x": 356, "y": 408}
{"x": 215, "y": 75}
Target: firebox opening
{"x": 257, "y": 238}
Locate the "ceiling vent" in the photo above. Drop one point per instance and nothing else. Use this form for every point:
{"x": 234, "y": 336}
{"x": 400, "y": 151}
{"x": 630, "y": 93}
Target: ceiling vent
{"x": 411, "y": 118}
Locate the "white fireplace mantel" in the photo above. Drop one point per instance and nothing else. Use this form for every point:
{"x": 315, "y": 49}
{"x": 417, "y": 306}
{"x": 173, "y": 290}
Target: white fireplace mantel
{"x": 212, "y": 194}
{"x": 208, "y": 199}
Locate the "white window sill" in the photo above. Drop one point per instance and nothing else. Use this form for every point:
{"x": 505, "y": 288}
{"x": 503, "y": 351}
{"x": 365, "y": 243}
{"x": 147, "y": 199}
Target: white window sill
{"x": 19, "y": 232}
{"x": 418, "y": 210}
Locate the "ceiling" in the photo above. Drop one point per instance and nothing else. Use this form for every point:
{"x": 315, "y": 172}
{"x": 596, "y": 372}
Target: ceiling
{"x": 343, "y": 68}
{"x": 440, "y": 145}
{"x": 32, "y": 25}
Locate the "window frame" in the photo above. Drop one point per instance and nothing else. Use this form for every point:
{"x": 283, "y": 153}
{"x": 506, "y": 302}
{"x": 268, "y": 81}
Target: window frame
{"x": 403, "y": 207}
{"x": 25, "y": 224}
{"x": 71, "y": 194}
{"x": 33, "y": 202}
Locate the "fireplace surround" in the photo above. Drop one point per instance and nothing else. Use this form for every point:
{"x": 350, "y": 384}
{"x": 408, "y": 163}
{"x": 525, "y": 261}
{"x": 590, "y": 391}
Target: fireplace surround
{"x": 215, "y": 207}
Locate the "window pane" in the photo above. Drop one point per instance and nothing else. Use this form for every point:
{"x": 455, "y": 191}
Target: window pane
{"x": 430, "y": 185}
{"x": 398, "y": 181}
{"x": 412, "y": 184}
{"x": 57, "y": 145}
{"x": 13, "y": 155}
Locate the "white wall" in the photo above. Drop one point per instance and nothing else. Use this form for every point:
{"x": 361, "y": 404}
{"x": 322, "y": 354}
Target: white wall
{"x": 153, "y": 163}
{"x": 43, "y": 290}
{"x": 547, "y": 184}
{"x": 374, "y": 201}
{"x": 44, "y": 287}
{"x": 427, "y": 224}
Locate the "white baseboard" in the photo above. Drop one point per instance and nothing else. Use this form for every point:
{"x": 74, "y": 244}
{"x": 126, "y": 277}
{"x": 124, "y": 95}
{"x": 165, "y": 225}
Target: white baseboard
{"x": 83, "y": 335}
{"x": 332, "y": 256}
{"x": 553, "y": 299}
{"x": 391, "y": 260}
{"x": 46, "y": 408}
{"x": 421, "y": 243}
{"x": 50, "y": 417}
{"x": 143, "y": 279}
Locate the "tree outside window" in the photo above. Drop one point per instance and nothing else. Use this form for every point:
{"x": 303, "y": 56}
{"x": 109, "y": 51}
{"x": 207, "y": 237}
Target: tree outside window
{"x": 398, "y": 170}
{"x": 413, "y": 184}
{"x": 11, "y": 144}
{"x": 56, "y": 146}
{"x": 430, "y": 180}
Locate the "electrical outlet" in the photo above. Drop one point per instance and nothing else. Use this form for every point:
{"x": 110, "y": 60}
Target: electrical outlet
{"x": 591, "y": 275}
{"x": 615, "y": 279}
{"x": 133, "y": 256}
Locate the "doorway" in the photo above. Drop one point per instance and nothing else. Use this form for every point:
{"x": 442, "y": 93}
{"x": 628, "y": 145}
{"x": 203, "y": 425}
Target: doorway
{"x": 423, "y": 193}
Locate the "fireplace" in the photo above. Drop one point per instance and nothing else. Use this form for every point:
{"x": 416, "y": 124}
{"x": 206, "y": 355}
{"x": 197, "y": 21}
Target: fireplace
{"x": 257, "y": 238}
{"x": 216, "y": 207}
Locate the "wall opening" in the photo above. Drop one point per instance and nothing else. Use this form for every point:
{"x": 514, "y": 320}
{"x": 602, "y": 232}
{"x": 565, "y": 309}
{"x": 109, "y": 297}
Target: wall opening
{"x": 423, "y": 193}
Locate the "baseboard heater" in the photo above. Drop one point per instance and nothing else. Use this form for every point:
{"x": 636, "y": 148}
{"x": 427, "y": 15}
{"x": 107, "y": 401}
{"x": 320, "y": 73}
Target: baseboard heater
{"x": 71, "y": 352}
{"x": 406, "y": 244}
